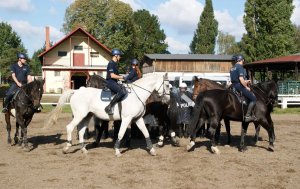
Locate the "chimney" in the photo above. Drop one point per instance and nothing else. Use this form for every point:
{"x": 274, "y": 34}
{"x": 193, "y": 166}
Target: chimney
{"x": 47, "y": 38}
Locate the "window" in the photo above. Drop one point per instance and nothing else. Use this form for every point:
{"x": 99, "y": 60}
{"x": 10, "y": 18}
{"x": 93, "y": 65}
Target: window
{"x": 56, "y": 73}
{"x": 78, "y": 47}
{"x": 95, "y": 54}
{"x": 62, "y": 53}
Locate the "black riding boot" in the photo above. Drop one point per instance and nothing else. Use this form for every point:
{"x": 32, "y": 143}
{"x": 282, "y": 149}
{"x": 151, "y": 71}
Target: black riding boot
{"x": 109, "y": 109}
{"x": 5, "y": 104}
{"x": 248, "y": 116}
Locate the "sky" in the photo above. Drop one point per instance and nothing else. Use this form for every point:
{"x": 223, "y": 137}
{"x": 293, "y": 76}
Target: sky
{"x": 178, "y": 19}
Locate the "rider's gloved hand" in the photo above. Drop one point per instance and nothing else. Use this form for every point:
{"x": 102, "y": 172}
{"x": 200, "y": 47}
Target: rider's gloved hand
{"x": 125, "y": 78}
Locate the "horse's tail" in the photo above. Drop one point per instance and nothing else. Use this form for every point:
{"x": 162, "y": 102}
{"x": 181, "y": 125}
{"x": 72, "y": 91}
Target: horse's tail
{"x": 65, "y": 97}
{"x": 198, "y": 114}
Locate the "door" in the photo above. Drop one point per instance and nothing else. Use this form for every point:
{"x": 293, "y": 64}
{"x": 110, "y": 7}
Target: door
{"x": 78, "y": 59}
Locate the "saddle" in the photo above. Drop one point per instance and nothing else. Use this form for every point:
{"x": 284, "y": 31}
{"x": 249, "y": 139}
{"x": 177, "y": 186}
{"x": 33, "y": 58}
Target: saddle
{"x": 241, "y": 98}
{"x": 107, "y": 95}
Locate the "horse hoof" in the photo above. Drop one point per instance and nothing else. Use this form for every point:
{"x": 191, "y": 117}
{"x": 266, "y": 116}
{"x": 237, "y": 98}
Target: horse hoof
{"x": 271, "y": 148}
{"x": 190, "y": 148}
{"x": 26, "y": 149}
{"x": 9, "y": 141}
{"x": 227, "y": 145}
{"x": 65, "y": 150}
{"x": 152, "y": 152}
{"x": 215, "y": 150}
{"x": 84, "y": 150}
{"x": 95, "y": 144}
{"x": 243, "y": 149}
{"x": 118, "y": 154}
{"x": 160, "y": 144}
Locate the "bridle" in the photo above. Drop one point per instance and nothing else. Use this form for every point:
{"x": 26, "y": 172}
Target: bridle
{"x": 269, "y": 100}
{"x": 31, "y": 100}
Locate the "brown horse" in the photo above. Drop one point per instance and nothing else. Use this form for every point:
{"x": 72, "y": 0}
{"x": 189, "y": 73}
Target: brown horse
{"x": 201, "y": 85}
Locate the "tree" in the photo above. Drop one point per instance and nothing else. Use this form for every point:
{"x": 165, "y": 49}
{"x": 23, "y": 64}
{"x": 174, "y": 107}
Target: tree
{"x": 109, "y": 21}
{"x": 35, "y": 62}
{"x": 269, "y": 29}
{"x": 10, "y": 45}
{"x": 297, "y": 39}
{"x": 149, "y": 38}
{"x": 227, "y": 44}
{"x": 205, "y": 35}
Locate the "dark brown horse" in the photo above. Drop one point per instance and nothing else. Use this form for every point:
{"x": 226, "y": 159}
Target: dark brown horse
{"x": 201, "y": 85}
{"x": 25, "y": 103}
{"x": 215, "y": 105}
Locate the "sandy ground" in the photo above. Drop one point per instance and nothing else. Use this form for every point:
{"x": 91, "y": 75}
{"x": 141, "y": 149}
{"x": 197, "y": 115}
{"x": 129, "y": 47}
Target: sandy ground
{"x": 47, "y": 167}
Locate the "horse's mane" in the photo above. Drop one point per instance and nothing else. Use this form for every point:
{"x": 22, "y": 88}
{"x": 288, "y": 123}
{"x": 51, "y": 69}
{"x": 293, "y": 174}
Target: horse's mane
{"x": 96, "y": 76}
{"x": 146, "y": 77}
{"x": 30, "y": 86}
{"x": 211, "y": 83}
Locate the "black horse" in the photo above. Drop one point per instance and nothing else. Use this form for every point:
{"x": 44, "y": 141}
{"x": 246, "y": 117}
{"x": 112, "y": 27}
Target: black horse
{"x": 26, "y": 102}
{"x": 215, "y": 105}
{"x": 101, "y": 127}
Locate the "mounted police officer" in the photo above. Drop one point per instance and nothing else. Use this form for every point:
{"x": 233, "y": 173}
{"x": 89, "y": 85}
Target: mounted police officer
{"x": 241, "y": 84}
{"x": 134, "y": 72}
{"x": 20, "y": 73}
{"x": 112, "y": 78}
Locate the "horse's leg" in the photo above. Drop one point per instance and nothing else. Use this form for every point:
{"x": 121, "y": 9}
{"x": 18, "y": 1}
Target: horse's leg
{"x": 98, "y": 130}
{"x": 70, "y": 127}
{"x": 218, "y": 133}
{"x": 8, "y": 127}
{"x": 160, "y": 142}
{"x": 214, "y": 123}
{"x": 141, "y": 125}
{"x": 24, "y": 131}
{"x": 124, "y": 124}
{"x": 271, "y": 132}
{"x": 257, "y": 130}
{"x": 17, "y": 133}
{"x": 83, "y": 125}
{"x": 227, "y": 126}
{"x": 244, "y": 129}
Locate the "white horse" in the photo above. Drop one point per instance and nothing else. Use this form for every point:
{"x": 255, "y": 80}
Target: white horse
{"x": 86, "y": 102}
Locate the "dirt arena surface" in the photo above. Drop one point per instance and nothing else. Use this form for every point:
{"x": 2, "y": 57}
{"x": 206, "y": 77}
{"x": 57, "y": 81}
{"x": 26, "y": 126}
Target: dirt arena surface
{"x": 47, "y": 167}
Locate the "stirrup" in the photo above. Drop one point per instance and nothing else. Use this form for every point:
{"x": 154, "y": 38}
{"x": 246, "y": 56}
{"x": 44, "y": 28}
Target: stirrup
{"x": 4, "y": 110}
{"x": 250, "y": 118}
{"x": 109, "y": 110}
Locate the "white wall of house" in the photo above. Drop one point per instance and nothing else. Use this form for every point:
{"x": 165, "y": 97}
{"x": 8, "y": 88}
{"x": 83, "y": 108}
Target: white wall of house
{"x": 94, "y": 55}
{"x": 56, "y": 81}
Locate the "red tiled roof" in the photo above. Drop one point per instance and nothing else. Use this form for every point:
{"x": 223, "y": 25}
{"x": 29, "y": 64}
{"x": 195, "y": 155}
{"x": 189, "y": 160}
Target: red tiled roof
{"x": 69, "y": 35}
{"x": 283, "y": 59}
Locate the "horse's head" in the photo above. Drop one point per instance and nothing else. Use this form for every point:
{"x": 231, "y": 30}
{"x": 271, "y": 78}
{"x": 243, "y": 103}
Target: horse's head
{"x": 36, "y": 90}
{"x": 270, "y": 90}
{"x": 199, "y": 87}
{"x": 96, "y": 81}
{"x": 162, "y": 87}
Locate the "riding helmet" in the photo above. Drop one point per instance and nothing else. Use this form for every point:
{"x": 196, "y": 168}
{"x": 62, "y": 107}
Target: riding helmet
{"x": 182, "y": 85}
{"x": 116, "y": 52}
{"x": 21, "y": 55}
{"x": 239, "y": 58}
{"x": 134, "y": 61}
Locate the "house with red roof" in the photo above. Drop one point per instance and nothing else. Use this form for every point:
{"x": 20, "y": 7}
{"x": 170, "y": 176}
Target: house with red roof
{"x": 70, "y": 61}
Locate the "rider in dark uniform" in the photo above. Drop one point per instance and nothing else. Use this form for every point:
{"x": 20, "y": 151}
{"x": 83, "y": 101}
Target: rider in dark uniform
{"x": 133, "y": 74}
{"x": 20, "y": 73}
{"x": 112, "y": 78}
{"x": 241, "y": 84}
